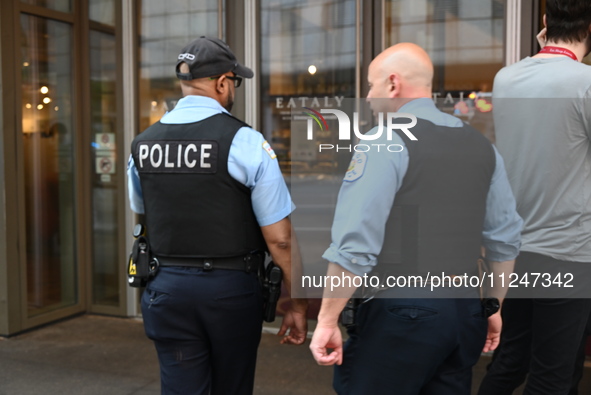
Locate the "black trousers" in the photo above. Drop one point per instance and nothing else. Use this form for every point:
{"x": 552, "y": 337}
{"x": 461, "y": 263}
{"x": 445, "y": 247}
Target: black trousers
{"x": 206, "y": 327}
{"x": 541, "y": 337}
{"x": 580, "y": 361}
{"x": 413, "y": 346}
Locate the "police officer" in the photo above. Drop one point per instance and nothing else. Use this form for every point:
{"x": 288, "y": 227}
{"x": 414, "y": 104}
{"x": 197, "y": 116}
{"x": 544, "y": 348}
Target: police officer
{"x": 426, "y": 209}
{"x": 215, "y": 201}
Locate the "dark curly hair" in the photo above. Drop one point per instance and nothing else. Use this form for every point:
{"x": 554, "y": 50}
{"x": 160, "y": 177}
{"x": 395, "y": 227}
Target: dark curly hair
{"x": 568, "y": 20}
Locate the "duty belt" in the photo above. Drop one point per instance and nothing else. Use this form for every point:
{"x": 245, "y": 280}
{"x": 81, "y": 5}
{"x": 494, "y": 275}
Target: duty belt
{"x": 248, "y": 263}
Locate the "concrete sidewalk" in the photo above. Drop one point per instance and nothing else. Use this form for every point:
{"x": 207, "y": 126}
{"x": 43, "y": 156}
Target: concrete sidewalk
{"x": 97, "y": 355}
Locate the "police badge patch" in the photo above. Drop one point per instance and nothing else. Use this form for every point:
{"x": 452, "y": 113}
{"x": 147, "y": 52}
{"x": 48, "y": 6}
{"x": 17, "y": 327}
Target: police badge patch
{"x": 356, "y": 167}
{"x": 267, "y": 147}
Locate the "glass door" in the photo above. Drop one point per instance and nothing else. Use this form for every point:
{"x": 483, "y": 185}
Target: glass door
{"x": 106, "y": 171}
{"x": 48, "y": 156}
{"x": 106, "y": 177}
{"x": 69, "y": 67}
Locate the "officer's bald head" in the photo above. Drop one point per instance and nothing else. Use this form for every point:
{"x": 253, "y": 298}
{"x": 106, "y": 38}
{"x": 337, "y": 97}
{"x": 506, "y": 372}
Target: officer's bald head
{"x": 403, "y": 71}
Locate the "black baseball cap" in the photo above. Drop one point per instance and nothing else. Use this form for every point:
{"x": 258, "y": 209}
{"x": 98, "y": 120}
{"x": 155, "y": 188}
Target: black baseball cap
{"x": 209, "y": 57}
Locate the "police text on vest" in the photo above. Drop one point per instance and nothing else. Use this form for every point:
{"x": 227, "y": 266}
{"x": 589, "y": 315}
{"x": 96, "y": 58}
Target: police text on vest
{"x": 200, "y": 156}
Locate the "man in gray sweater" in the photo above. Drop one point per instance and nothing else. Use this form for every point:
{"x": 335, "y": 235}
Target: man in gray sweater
{"x": 542, "y": 120}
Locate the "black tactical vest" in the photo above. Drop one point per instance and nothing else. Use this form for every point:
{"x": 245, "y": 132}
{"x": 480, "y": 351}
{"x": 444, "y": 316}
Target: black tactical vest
{"x": 193, "y": 206}
{"x": 438, "y": 214}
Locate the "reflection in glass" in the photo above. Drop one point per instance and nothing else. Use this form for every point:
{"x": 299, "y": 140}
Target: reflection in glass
{"x": 165, "y": 28}
{"x": 57, "y": 5}
{"x": 463, "y": 37}
{"x": 102, "y": 11}
{"x": 106, "y": 168}
{"x": 48, "y": 164}
{"x": 308, "y": 57}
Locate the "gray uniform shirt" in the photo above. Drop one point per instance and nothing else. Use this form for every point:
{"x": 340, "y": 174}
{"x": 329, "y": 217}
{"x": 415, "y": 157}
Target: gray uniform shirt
{"x": 542, "y": 115}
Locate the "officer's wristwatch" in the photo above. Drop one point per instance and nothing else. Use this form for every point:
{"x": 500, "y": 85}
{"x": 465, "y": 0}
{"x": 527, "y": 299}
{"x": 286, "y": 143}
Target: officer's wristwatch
{"x": 490, "y": 306}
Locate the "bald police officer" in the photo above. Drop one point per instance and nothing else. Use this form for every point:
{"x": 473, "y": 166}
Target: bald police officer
{"x": 215, "y": 201}
{"x": 426, "y": 209}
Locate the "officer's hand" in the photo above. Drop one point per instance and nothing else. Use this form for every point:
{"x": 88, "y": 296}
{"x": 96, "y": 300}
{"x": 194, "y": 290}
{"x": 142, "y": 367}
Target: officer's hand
{"x": 296, "y": 322}
{"x": 493, "y": 337}
{"x": 326, "y": 337}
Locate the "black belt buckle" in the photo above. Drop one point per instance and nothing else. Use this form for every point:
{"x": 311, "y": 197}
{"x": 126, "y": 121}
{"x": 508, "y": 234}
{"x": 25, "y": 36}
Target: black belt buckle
{"x": 207, "y": 265}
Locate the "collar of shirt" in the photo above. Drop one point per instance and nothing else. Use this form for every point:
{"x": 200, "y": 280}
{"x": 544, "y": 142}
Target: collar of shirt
{"x": 193, "y": 109}
{"x": 425, "y": 108}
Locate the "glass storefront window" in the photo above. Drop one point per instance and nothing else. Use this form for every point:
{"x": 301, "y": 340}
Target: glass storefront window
{"x": 102, "y": 11}
{"x": 106, "y": 169}
{"x": 463, "y": 37}
{"x": 48, "y": 144}
{"x": 308, "y": 58}
{"x": 165, "y": 28}
{"x": 57, "y": 5}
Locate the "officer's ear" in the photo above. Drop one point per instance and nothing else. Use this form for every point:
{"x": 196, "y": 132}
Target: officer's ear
{"x": 221, "y": 84}
{"x": 394, "y": 84}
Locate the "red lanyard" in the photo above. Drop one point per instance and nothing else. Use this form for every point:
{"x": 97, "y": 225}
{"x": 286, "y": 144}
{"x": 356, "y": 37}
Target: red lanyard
{"x": 559, "y": 51}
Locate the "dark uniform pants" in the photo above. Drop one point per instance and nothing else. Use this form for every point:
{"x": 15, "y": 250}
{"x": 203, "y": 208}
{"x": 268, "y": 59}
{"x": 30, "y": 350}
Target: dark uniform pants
{"x": 412, "y": 347}
{"x": 206, "y": 327}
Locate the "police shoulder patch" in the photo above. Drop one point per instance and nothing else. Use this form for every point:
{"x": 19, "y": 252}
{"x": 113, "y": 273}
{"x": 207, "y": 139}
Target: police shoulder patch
{"x": 357, "y": 167}
{"x": 269, "y": 150}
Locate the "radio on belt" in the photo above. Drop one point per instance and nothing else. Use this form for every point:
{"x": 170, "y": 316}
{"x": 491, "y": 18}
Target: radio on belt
{"x": 141, "y": 265}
